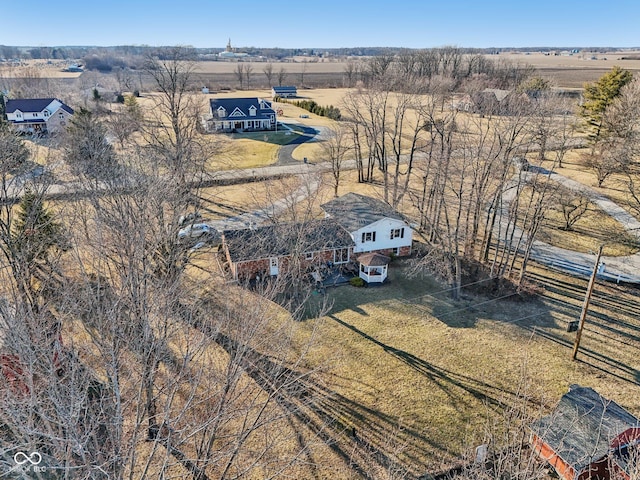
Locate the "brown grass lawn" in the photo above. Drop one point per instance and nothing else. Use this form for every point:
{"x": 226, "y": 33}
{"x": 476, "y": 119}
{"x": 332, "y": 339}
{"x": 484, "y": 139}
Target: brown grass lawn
{"x": 588, "y": 233}
{"x": 411, "y": 364}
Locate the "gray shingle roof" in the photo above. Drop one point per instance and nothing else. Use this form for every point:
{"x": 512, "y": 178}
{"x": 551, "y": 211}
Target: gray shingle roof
{"x": 354, "y": 211}
{"x": 283, "y": 239}
{"x": 374, "y": 259}
{"x": 243, "y": 104}
{"x": 582, "y": 426}
{"x": 284, "y": 89}
{"x": 33, "y": 105}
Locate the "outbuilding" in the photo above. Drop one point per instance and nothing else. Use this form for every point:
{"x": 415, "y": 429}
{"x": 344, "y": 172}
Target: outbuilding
{"x": 587, "y": 437}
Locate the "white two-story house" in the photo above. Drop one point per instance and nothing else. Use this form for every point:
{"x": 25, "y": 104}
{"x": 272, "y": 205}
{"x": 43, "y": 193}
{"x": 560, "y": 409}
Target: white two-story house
{"x": 38, "y": 115}
{"x": 373, "y": 225}
{"x": 240, "y": 114}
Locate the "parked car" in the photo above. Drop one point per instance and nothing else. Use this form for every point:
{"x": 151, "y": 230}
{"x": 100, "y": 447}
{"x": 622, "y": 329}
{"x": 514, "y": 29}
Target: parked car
{"x": 194, "y": 231}
{"x": 521, "y": 163}
{"x": 189, "y": 217}
{"x": 197, "y": 246}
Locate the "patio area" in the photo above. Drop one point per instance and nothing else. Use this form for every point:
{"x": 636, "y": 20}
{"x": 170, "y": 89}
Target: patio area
{"x": 334, "y": 275}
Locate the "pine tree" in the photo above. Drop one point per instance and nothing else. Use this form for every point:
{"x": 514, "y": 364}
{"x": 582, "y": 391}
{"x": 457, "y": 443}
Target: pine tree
{"x": 599, "y": 95}
{"x": 35, "y": 231}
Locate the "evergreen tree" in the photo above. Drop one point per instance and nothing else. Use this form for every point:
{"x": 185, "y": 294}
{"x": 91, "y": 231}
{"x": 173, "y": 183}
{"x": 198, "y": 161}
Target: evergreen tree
{"x": 13, "y": 151}
{"x": 3, "y": 108}
{"x": 87, "y": 150}
{"x": 35, "y": 232}
{"x": 599, "y": 95}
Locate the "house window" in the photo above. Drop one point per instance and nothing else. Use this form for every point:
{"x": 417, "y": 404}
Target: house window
{"x": 34, "y": 114}
{"x": 396, "y": 251}
{"x": 221, "y": 112}
{"x": 61, "y": 116}
{"x": 18, "y": 115}
{"x": 252, "y": 111}
{"x": 46, "y": 113}
{"x": 341, "y": 255}
{"x": 308, "y": 256}
{"x": 368, "y": 237}
{"x": 397, "y": 233}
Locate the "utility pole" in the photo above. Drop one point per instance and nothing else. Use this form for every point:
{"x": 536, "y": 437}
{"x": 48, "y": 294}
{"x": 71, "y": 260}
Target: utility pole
{"x": 585, "y": 306}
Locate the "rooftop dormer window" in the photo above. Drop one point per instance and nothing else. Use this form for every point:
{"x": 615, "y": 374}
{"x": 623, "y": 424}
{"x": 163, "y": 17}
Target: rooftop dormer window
{"x": 252, "y": 111}
{"x": 222, "y": 112}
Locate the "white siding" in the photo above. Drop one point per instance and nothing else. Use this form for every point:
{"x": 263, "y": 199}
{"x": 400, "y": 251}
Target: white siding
{"x": 383, "y": 240}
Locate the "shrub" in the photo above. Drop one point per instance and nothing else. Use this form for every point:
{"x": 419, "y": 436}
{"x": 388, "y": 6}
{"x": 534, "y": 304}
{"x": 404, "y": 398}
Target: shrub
{"x": 357, "y": 282}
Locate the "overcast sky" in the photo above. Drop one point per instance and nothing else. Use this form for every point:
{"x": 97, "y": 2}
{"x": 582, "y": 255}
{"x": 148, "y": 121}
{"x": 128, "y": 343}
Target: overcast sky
{"x": 322, "y": 23}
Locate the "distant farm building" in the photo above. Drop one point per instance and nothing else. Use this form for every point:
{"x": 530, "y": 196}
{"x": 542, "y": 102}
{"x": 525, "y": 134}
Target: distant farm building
{"x": 284, "y": 92}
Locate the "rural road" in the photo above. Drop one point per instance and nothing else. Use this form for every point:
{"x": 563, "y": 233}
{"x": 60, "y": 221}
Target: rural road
{"x": 625, "y": 269}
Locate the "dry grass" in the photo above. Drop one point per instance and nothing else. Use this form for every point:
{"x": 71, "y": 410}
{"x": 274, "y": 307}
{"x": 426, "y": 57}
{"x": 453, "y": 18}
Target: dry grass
{"x": 406, "y": 356}
{"x": 37, "y": 69}
{"x": 588, "y": 233}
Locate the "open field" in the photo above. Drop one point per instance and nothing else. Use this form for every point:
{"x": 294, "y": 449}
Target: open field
{"x": 37, "y": 69}
{"x": 566, "y": 71}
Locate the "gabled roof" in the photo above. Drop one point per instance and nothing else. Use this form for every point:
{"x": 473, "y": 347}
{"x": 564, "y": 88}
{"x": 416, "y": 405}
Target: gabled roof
{"x": 374, "y": 259}
{"x": 31, "y": 105}
{"x": 284, "y": 239}
{"x": 284, "y": 89}
{"x": 242, "y": 104}
{"x": 354, "y": 211}
{"x": 582, "y": 426}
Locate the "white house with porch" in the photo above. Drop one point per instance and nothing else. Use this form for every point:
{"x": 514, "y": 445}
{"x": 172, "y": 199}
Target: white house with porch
{"x": 38, "y": 115}
{"x": 240, "y": 114}
{"x": 373, "y": 224}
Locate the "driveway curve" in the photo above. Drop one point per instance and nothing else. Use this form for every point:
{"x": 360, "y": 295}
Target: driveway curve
{"x": 285, "y": 154}
{"x": 625, "y": 269}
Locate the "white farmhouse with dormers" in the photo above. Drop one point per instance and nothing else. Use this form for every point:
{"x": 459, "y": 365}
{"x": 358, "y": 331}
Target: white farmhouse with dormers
{"x": 38, "y": 115}
{"x": 373, "y": 225}
{"x": 240, "y": 114}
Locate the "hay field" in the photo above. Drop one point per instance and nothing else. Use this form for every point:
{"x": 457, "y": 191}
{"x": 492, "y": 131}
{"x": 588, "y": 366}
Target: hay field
{"x": 315, "y": 67}
{"x": 37, "y": 69}
{"x": 573, "y": 71}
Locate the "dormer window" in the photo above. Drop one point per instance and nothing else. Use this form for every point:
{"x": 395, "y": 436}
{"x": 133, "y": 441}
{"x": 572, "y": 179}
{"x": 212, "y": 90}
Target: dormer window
{"x": 18, "y": 114}
{"x": 222, "y": 112}
{"x": 252, "y": 111}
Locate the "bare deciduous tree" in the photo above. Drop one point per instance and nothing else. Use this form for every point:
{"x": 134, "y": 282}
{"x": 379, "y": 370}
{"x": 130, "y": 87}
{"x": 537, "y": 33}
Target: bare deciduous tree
{"x": 268, "y": 72}
{"x": 282, "y": 75}
{"x": 335, "y": 147}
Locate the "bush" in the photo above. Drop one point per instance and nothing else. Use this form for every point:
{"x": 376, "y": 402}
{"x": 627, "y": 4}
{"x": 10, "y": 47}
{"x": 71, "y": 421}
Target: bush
{"x": 357, "y": 282}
